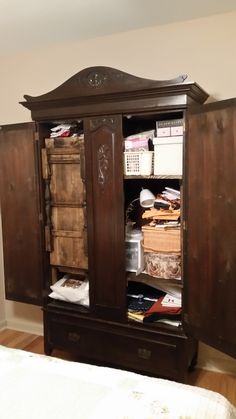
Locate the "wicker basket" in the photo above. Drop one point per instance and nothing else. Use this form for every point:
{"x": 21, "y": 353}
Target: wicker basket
{"x": 161, "y": 240}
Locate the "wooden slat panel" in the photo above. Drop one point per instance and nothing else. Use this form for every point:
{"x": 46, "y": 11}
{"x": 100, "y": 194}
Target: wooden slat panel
{"x": 67, "y": 201}
{"x": 66, "y": 184}
{"x": 59, "y": 156}
{"x": 64, "y": 218}
{"x": 70, "y": 143}
{"x": 68, "y": 251}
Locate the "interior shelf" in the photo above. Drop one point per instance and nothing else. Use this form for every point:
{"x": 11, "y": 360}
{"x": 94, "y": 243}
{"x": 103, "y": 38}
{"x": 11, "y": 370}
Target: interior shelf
{"x": 152, "y": 281}
{"x": 153, "y": 177}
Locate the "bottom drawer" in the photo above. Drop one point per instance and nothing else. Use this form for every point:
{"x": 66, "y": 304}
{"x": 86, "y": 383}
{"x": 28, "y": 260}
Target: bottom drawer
{"x": 153, "y": 353}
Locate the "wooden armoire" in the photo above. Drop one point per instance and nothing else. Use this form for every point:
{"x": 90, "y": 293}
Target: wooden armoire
{"x": 63, "y": 204}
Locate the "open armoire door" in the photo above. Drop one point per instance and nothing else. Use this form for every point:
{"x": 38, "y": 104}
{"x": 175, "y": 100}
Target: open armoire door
{"x": 210, "y": 239}
{"x": 20, "y": 212}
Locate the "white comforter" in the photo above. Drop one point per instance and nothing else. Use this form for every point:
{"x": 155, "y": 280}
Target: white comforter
{"x": 39, "y": 387}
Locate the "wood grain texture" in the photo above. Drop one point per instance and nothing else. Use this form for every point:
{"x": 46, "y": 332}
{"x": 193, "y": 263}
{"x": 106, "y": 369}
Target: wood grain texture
{"x": 210, "y": 250}
{"x": 105, "y": 208}
{"x": 20, "y": 211}
{"x": 66, "y": 199}
{"x": 221, "y": 383}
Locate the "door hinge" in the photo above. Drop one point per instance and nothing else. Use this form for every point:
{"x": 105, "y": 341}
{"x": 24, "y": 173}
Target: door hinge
{"x": 45, "y": 167}
{"x": 47, "y": 232}
{"x": 185, "y": 225}
{"x": 40, "y": 217}
{"x": 36, "y": 136}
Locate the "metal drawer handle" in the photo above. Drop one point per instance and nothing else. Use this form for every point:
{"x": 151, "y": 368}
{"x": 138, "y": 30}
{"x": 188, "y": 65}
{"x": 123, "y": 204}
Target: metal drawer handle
{"x": 73, "y": 337}
{"x": 144, "y": 353}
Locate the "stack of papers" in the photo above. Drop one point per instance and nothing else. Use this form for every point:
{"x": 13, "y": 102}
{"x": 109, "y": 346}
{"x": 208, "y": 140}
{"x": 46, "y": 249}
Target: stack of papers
{"x": 170, "y": 193}
{"x": 171, "y": 301}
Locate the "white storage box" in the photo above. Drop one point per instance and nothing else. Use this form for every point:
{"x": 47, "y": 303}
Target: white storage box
{"x": 169, "y": 127}
{"x": 176, "y": 131}
{"x": 168, "y": 156}
{"x": 163, "y": 132}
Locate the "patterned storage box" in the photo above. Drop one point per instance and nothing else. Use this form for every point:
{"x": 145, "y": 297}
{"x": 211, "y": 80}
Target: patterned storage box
{"x": 162, "y": 265}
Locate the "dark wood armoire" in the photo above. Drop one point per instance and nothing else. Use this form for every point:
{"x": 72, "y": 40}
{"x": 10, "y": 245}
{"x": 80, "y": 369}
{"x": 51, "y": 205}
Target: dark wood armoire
{"x": 63, "y": 206}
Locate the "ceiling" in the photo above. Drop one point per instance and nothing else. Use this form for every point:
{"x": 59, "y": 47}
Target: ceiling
{"x": 26, "y": 24}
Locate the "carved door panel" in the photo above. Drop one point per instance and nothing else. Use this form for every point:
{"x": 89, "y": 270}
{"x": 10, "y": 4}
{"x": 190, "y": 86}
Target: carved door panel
{"x": 66, "y": 232}
{"x": 104, "y": 188}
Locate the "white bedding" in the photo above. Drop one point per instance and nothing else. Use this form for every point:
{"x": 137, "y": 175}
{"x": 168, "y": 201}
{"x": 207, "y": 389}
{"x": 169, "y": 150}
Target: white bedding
{"x": 40, "y": 387}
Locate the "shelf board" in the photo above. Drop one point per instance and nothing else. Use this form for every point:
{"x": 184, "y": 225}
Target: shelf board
{"x": 153, "y": 177}
{"x": 162, "y": 327}
{"x": 153, "y": 281}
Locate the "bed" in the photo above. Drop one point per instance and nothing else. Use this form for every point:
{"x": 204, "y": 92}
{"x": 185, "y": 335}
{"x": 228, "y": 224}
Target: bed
{"x": 41, "y": 387}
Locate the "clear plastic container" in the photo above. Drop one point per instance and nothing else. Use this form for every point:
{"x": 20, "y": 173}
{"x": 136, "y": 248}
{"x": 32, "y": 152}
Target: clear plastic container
{"x": 134, "y": 251}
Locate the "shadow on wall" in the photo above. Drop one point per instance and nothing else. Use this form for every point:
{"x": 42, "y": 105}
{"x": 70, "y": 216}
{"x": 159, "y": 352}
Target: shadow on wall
{"x": 214, "y": 360}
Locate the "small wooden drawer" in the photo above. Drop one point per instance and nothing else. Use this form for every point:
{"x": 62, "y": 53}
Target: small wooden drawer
{"x": 69, "y": 336}
{"x": 147, "y": 355}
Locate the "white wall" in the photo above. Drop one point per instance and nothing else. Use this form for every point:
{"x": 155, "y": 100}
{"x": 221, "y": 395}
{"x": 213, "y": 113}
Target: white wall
{"x": 203, "y": 48}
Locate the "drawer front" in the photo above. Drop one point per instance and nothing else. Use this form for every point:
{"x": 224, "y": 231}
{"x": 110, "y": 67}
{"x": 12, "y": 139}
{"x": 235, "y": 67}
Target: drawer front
{"x": 151, "y": 356}
{"x": 156, "y": 355}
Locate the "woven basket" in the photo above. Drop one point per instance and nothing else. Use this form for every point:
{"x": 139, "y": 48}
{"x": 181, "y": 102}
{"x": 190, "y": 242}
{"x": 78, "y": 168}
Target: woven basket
{"x": 161, "y": 240}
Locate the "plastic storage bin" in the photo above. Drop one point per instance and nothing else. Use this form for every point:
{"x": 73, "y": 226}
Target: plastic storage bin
{"x": 134, "y": 251}
{"x": 138, "y": 163}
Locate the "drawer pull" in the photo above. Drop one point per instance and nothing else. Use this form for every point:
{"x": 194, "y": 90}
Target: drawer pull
{"x": 144, "y": 353}
{"x": 73, "y": 337}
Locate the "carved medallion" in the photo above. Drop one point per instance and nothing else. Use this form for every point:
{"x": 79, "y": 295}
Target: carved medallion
{"x": 96, "y": 79}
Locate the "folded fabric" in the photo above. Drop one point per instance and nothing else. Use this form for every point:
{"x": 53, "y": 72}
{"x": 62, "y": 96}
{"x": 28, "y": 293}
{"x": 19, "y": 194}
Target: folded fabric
{"x": 71, "y": 290}
{"x": 157, "y": 307}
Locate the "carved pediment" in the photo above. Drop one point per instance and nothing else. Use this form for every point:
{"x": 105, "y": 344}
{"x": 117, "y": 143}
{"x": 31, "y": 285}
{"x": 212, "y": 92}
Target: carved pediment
{"x": 104, "y": 90}
{"x": 101, "y": 80}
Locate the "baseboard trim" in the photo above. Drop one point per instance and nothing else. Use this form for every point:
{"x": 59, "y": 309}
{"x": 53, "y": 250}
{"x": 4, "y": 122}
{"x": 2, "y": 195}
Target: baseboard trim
{"x": 3, "y": 324}
{"x": 28, "y": 327}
